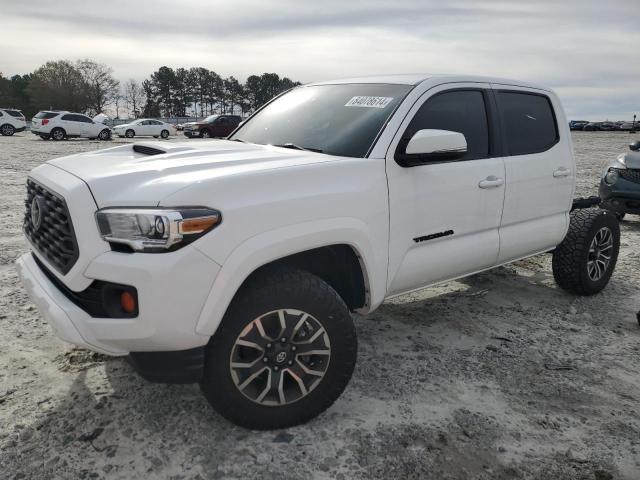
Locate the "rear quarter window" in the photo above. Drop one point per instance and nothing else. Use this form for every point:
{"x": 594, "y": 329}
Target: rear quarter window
{"x": 14, "y": 113}
{"x": 529, "y": 122}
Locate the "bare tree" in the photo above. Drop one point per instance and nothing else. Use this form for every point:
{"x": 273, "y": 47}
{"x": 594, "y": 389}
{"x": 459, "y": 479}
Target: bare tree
{"x": 134, "y": 96}
{"x": 117, "y": 100}
{"x": 100, "y": 85}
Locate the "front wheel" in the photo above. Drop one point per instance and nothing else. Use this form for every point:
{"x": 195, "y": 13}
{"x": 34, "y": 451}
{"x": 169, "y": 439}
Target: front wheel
{"x": 584, "y": 262}
{"x": 105, "y": 134}
{"x": 283, "y": 354}
{"x": 129, "y": 133}
{"x": 205, "y": 134}
{"x": 7, "y": 130}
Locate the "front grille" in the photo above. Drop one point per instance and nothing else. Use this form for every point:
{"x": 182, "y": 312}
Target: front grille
{"x": 53, "y": 234}
{"x": 630, "y": 175}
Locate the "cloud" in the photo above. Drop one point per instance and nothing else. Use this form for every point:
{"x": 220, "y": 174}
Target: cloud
{"x": 583, "y": 48}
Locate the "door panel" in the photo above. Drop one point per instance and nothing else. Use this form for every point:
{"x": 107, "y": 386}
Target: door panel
{"x": 444, "y": 217}
{"x": 540, "y": 184}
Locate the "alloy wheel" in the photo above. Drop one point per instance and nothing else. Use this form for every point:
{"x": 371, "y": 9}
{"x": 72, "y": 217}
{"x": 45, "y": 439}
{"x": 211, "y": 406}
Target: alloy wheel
{"x": 600, "y": 252}
{"x": 280, "y": 357}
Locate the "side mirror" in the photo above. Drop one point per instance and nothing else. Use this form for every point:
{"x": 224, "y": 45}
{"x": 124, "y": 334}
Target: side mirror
{"x": 430, "y": 145}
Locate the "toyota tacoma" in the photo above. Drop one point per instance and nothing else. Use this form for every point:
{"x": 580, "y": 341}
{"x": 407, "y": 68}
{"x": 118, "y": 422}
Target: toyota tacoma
{"x": 237, "y": 263}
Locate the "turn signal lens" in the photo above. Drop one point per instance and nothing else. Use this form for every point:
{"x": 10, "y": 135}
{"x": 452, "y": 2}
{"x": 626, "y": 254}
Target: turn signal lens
{"x": 198, "y": 225}
{"x": 128, "y": 302}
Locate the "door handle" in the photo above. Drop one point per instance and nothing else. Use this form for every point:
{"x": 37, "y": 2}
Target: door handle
{"x": 491, "y": 182}
{"x": 561, "y": 172}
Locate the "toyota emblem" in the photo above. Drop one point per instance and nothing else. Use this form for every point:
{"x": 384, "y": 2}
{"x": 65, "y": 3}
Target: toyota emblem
{"x": 37, "y": 212}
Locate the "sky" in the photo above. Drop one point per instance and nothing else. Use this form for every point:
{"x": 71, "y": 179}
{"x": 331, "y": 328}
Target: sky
{"x": 587, "y": 50}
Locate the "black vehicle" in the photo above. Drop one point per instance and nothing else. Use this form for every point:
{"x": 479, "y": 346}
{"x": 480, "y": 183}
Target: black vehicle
{"x": 592, "y": 127}
{"x": 577, "y": 124}
{"x": 620, "y": 185}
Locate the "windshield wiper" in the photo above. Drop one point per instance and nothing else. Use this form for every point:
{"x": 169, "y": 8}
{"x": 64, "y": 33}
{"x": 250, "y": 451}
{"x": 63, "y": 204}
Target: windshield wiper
{"x": 298, "y": 147}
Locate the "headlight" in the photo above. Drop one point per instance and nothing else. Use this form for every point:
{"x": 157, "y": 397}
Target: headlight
{"x": 155, "y": 230}
{"x": 611, "y": 177}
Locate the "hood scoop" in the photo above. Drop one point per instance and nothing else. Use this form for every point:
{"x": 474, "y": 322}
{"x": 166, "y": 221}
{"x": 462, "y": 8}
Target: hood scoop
{"x": 147, "y": 150}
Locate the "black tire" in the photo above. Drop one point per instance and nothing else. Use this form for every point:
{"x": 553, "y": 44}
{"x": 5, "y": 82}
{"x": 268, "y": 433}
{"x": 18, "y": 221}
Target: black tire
{"x": 130, "y": 133}
{"x": 573, "y": 256}
{"x": 268, "y": 292}
{"x": 204, "y": 133}
{"x": 164, "y": 134}
{"x": 58, "y": 134}
{"x": 105, "y": 134}
{"x": 7, "y": 130}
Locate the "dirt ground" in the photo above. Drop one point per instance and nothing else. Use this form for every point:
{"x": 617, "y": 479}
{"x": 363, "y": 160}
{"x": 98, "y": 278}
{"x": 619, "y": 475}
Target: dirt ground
{"x": 498, "y": 376}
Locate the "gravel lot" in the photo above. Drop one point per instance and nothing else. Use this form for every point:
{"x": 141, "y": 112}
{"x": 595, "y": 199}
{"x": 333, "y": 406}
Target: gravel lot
{"x": 497, "y": 376}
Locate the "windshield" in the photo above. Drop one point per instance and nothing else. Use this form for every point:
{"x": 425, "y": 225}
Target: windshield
{"x": 210, "y": 118}
{"x": 335, "y": 119}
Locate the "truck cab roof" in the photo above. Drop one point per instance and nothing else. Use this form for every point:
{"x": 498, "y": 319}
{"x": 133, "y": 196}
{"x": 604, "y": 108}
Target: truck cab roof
{"x": 418, "y": 78}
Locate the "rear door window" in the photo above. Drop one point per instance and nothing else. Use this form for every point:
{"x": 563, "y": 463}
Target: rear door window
{"x": 529, "y": 122}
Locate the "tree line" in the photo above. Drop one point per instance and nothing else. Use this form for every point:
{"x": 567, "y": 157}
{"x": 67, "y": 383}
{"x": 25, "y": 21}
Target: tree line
{"x": 87, "y": 86}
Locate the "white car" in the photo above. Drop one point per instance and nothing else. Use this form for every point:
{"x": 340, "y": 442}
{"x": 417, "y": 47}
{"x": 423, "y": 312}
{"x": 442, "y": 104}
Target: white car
{"x": 145, "y": 127}
{"x": 11, "y": 121}
{"x": 237, "y": 263}
{"x": 61, "y": 125}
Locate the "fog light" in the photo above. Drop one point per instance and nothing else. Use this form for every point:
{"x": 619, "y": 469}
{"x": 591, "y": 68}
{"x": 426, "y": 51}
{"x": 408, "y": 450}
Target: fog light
{"x": 611, "y": 177}
{"x": 128, "y": 302}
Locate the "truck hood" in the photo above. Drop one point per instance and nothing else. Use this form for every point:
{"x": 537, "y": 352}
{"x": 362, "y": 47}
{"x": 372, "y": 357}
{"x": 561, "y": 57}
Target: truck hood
{"x": 144, "y": 173}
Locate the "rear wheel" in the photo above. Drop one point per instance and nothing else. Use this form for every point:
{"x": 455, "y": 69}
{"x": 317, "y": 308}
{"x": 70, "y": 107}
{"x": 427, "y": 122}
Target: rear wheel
{"x": 129, "y": 133}
{"x": 283, "y": 354}
{"x": 58, "y": 134}
{"x": 584, "y": 262}
{"x": 7, "y": 130}
{"x": 164, "y": 134}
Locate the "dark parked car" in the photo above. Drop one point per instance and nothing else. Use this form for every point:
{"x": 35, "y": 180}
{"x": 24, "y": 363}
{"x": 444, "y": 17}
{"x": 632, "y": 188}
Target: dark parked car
{"x": 212, "y": 126}
{"x": 620, "y": 185}
{"x": 577, "y": 124}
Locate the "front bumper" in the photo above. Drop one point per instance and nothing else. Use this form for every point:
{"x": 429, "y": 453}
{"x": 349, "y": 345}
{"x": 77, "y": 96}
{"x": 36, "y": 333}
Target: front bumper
{"x": 172, "y": 288}
{"x": 622, "y": 197}
{"x": 191, "y": 133}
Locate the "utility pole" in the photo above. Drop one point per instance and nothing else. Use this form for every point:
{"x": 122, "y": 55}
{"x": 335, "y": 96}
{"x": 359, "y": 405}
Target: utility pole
{"x": 633, "y": 125}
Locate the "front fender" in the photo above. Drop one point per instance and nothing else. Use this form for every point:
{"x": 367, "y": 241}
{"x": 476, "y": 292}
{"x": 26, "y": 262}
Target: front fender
{"x": 272, "y": 245}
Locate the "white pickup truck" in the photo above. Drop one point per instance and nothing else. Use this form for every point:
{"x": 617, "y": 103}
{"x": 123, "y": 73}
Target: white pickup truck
{"x": 236, "y": 263}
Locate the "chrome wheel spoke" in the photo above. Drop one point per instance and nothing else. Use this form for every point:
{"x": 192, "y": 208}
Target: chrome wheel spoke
{"x": 600, "y": 253}
{"x": 280, "y": 357}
